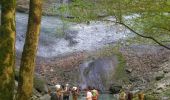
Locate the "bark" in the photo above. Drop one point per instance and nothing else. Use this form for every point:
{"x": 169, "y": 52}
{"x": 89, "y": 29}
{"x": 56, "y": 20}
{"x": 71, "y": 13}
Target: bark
{"x": 7, "y": 49}
{"x": 26, "y": 74}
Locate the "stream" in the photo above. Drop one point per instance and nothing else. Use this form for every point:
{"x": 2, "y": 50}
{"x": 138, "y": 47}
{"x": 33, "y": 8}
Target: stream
{"x": 60, "y": 38}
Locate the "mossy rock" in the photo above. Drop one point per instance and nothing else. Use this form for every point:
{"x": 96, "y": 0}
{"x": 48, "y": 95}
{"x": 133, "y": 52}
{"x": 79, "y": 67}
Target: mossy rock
{"x": 39, "y": 83}
{"x": 115, "y": 88}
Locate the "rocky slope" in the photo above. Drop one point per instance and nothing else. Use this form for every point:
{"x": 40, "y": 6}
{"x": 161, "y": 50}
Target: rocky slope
{"x": 146, "y": 68}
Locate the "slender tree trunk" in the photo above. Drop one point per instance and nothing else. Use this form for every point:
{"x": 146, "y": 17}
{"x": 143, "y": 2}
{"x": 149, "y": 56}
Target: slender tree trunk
{"x": 7, "y": 49}
{"x": 26, "y": 74}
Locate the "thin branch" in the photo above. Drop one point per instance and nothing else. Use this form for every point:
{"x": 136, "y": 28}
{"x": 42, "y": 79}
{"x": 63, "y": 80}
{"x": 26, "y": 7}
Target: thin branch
{"x": 149, "y": 37}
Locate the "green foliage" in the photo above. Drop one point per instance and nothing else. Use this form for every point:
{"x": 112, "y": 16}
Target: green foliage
{"x": 120, "y": 73}
{"x": 152, "y": 15}
{"x": 152, "y": 24}
{"x": 113, "y": 7}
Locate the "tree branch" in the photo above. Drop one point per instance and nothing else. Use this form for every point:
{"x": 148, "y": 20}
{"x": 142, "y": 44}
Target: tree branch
{"x": 148, "y": 37}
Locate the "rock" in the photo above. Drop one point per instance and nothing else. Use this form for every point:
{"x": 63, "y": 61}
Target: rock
{"x": 135, "y": 91}
{"x": 52, "y": 88}
{"x": 34, "y": 97}
{"x": 45, "y": 97}
{"x": 40, "y": 84}
{"x": 165, "y": 71}
{"x": 159, "y": 77}
{"x": 128, "y": 70}
{"x": 157, "y": 91}
{"x": 115, "y": 88}
{"x": 36, "y": 93}
{"x": 161, "y": 86}
{"x": 165, "y": 98}
{"x": 134, "y": 79}
{"x": 22, "y": 8}
{"x": 70, "y": 36}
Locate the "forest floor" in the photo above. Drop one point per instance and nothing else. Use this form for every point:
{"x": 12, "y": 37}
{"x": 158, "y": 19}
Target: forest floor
{"x": 147, "y": 68}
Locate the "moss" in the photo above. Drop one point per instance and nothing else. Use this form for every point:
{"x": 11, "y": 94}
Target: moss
{"x": 151, "y": 97}
{"x": 166, "y": 93}
{"x": 144, "y": 41}
{"x": 39, "y": 84}
{"x": 120, "y": 73}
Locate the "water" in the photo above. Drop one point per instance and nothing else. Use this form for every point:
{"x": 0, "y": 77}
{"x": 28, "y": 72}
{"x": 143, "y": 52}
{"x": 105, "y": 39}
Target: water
{"x": 85, "y": 37}
{"x": 101, "y": 97}
{"x": 98, "y": 73}
{"x": 107, "y": 97}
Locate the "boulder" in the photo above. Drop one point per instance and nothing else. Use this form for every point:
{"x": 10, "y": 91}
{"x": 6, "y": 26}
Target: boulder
{"x": 128, "y": 70}
{"x": 115, "y": 88}
{"x": 45, "y": 97}
{"x": 159, "y": 76}
{"x": 40, "y": 84}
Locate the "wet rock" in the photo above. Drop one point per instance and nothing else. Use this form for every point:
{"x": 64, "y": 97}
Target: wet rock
{"x": 70, "y": 36}
{"x": 115, "y": 88}
{"x": 98, "y": 73}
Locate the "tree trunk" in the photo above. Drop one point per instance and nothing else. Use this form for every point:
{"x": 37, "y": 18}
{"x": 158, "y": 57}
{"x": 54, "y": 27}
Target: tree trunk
{"x": 26, "y": 74}
{"x": 7, "y": 49}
